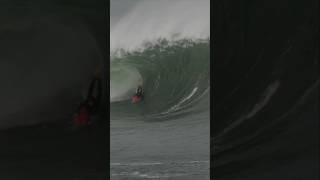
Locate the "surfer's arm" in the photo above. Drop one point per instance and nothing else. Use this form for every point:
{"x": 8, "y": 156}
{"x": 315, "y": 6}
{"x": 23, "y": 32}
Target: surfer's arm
{"x": 99, "y": 91}
{"x": 97, "y": 77}
{"x": 91, "y": 88}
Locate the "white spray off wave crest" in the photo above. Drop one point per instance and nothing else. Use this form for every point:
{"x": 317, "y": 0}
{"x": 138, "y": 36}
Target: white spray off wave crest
{"x": 150, "y": 20}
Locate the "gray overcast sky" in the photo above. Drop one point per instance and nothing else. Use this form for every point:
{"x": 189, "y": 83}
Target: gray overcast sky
{"x": 120, "y": 7}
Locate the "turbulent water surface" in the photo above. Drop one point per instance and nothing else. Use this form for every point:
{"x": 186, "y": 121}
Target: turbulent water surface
{"x": 166, "y": 136}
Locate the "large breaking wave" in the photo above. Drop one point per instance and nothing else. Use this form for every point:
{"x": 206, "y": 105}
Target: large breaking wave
{"x": 166, "y": 52}
{"x": 175, "y": 76}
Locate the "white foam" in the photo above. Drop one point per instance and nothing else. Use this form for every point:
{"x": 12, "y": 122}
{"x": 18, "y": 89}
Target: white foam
{"x": 150, "y": 20}
{"x": 178, "y": 106}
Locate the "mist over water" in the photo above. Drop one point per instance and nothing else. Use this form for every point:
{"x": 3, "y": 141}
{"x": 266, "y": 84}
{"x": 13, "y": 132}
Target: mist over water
{"x": 147, "y": 21}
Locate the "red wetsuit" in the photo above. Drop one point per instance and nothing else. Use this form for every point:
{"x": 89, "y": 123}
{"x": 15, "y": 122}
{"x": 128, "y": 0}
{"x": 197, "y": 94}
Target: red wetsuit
{"x": 136, "y": 99}
{"x": 88, "y": 107}
{"x": 82, "y": 117}
{"x": 138, "y": 96}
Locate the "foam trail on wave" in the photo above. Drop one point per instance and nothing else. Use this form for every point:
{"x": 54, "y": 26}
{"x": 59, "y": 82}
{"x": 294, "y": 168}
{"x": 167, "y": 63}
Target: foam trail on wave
{"x": 150, "y": 20}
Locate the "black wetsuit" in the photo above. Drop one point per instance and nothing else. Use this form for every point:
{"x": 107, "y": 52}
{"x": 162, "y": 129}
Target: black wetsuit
{"x": 139, "y": 92}
{"x": 93, "y": 97}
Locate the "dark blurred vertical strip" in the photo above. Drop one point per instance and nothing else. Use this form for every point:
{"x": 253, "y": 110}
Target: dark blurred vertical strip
{"x": 108, "y": 83}
{"x": 257, "y": 46}
{"x": 48, "y": 148}
{"x": 101, "y": 28}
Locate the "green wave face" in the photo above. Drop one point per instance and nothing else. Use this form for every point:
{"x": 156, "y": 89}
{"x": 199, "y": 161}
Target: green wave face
{"x": 174, "y": 75}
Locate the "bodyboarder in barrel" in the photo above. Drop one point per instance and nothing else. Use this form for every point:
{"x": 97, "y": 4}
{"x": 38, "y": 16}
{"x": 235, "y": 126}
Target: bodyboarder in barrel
{"x": 138, "y": 95}
{"x": 86, "y": 110}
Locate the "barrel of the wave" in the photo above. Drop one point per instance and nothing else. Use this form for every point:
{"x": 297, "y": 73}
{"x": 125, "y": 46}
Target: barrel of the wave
{"x": 138, "y": 96}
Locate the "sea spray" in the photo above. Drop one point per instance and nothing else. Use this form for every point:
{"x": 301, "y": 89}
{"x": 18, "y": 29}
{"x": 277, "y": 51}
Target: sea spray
{"x": 148, "y": 21}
